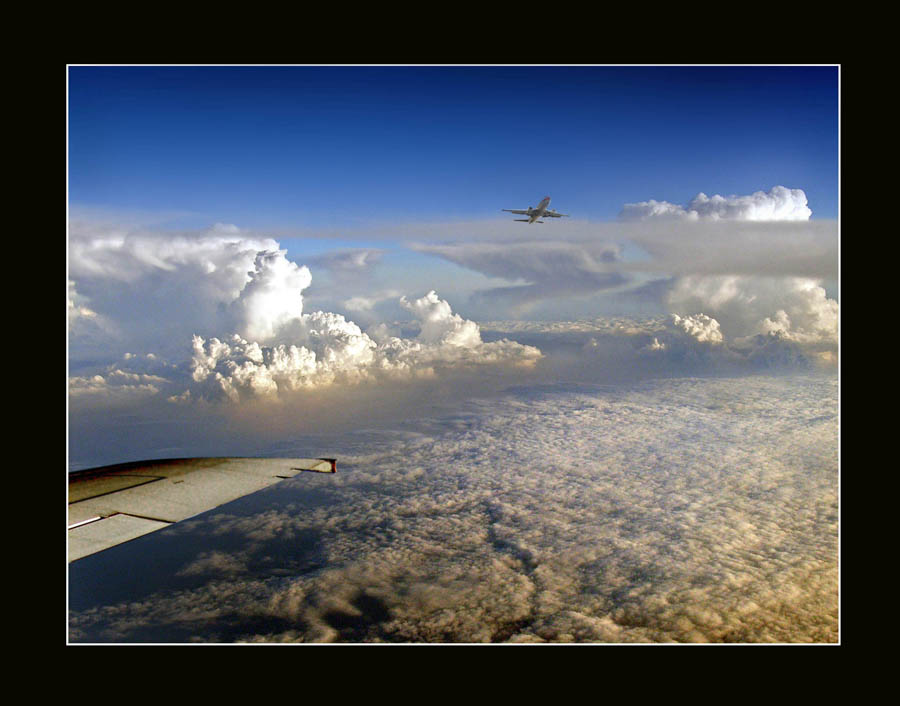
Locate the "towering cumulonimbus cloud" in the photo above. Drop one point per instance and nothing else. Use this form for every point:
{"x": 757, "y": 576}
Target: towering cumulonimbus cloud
{"x": 272, "y": 297}
{"x": 153, "y": 289}
{"x": 439, "y": 325}
{"x": 335, "y": 350}
{"x": 237, "y": 304}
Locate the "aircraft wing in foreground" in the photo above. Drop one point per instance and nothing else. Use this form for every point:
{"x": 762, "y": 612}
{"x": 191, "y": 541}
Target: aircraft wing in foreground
{"x": 535, "y": 214}
{"x": 110, "y": 505}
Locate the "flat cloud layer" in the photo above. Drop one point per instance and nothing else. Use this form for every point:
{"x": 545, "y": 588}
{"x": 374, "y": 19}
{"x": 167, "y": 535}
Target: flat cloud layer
{"x": 722, "y": 247}
{"x": 684, "y": 510}
{"x": 549, "y": 269}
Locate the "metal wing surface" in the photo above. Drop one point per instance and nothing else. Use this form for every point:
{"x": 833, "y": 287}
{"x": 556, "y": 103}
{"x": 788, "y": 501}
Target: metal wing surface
{"x": 513, "y": 210}
{"x": 110, "y": 505}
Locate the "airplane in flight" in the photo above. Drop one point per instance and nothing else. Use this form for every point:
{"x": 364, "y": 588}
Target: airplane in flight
{"x": 535, "y": 213}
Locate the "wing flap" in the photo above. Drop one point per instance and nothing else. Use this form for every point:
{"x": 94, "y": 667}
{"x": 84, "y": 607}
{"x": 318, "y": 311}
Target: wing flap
{"x": 154, "y": 494}
{"x": 107, "y": 532}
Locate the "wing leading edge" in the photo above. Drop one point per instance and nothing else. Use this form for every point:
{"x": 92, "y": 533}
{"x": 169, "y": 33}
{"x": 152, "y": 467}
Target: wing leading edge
{"x": 114, "y": 504}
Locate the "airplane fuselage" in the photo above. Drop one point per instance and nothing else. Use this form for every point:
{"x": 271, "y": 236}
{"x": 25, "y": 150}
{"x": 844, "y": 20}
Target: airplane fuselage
{"x": 535, "y": 213}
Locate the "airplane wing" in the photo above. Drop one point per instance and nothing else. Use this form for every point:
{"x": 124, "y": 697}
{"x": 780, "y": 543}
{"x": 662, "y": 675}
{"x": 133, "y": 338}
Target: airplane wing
{"x": 512, "y": 210}
{"x": 554, "y": 214}
{"x": 114, "y": 504}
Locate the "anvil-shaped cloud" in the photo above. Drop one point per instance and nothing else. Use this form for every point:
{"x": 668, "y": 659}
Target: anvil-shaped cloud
{"x": 764, "y": 235}
{"x": 548, "y": 269}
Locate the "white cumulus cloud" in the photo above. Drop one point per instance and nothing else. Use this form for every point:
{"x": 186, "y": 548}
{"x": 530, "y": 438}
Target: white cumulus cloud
{"x": 796, "y": 308}
{"x": 440, "y": 325}
{"x": 330, "y": 349}
{"x": 778, "y": 204}
{"x": 699, "y": 326}
{"x": 272, "y": 297}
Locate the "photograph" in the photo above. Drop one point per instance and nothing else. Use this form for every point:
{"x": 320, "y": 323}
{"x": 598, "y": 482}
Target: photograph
{"x": 503, "y": 355}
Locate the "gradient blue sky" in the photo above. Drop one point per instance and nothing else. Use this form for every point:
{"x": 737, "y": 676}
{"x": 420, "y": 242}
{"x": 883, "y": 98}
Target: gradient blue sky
{"x": 347, "y": 147}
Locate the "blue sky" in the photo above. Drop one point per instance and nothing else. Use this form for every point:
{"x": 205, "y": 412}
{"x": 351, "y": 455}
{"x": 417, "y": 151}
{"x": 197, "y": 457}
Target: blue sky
{"x": 346, "y": 147}
{"x": 402, "y": 162}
